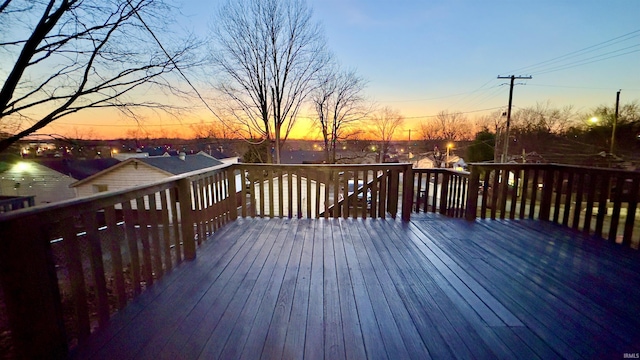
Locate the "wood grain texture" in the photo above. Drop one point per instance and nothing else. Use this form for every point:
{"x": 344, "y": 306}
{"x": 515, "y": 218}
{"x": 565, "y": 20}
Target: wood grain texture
{"x": 381, "y": 288}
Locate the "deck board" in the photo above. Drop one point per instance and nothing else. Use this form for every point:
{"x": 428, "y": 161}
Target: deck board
{"x": 380, "y": 288}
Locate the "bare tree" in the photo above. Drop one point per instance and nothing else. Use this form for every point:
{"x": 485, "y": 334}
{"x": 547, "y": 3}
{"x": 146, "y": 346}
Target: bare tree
{"x": 384, "y": 124}
{"x": 453, "y": 126}
{"x": 338, "y": 104}
{"x": 218, "y": 135}
{"x": 446, "y": 126}
{"x": 269, "y": 52}
{"x": 494, "y": 122}
{"x": 71, "y": 55}
{"x": 429, "y": 130}
{"x": 544, "y": 118}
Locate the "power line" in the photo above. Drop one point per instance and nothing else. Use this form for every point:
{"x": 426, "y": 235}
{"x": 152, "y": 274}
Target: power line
{"x": 577, "y": 87}
{"x": 565, "y": 67}
{"x": 474, "y": 91}
{"x": 528, "y": 68}
{"x": 457, "y": 112}
{"x": 498, "y": 90}
{"x": 535, "y": 68}
{"x": 433, "y": 98}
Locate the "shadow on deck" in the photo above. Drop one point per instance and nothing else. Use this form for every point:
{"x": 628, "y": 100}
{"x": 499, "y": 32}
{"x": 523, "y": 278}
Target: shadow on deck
{"x": 351, "y": 288}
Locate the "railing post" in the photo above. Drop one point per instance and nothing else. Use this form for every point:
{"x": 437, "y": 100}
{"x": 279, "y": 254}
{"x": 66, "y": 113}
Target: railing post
{"x": 392, "y": 192}
{"x": 186, "y": 219}
{"x": 30, "y": 288}
{"x": 473, "y": 189}
{"x": 232, "y": 196}
{"x": 407, "y": 192}
{"x": 444, "y": 192}
{"x": 547, "y": 192}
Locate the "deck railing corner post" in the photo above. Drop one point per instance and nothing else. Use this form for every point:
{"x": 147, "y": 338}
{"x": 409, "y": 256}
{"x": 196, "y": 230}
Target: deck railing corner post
{"x": 232, "y": 196}
{"x": 444, "y": 192}
{"x": 407, "y": 192}
{"x": 474, "y": 188}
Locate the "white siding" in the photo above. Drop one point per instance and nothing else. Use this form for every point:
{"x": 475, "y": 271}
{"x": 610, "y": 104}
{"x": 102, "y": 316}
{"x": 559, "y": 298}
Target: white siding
{"x": 123, "y": 177}
{"x": 36, "y": 180}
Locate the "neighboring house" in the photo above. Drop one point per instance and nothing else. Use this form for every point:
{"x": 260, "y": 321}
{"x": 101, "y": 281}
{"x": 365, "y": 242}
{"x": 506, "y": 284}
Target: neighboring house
{"x": 423, "y": 162}
{"x": 48, "y": 180}
{"x": 139, "y": 171}
{"x": 427, "y": 161}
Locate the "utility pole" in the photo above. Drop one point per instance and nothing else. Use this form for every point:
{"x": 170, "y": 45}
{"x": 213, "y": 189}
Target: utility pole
{"x": 615, "y": 122}
{"x": 409, "y": 147}
{"x": 506, "y": 139}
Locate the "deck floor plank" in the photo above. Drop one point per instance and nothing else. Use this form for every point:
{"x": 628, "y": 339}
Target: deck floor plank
{"x": 258, "y": 329}
{"x": 371, "y": 332}
{"x": 219, "y": 278}
{"x": 334, "y": 344}
{"x": 596, "y": 290}
{"x": 533, "y": 284}
{"x": 277, "y": 333}
{"x": 228, "y": 291}
{"x": 391, "y": 335}
{"x": 353, "y": 339}
{"x": 127, "y": 331}
{"x": 465, "y": 331}
{"x": 380, "y": 288}
{"x": 296, "y": 328}
{"x": 228, "y": 338}
{"x": 314, "y": 333}
{"x": 385, "y": 271}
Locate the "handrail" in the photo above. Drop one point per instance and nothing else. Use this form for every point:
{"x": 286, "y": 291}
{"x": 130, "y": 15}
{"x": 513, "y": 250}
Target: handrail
{"x": 314, "y": 191}
{"x": 595, "y": 201}
{"x": 116, "y": 242}
{"x": 67, "y": 257}
{"x": 12, "y": 203}
{"x": 121, "y": 242}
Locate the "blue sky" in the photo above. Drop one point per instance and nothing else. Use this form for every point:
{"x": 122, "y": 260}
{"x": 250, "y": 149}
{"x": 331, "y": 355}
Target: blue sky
{"x": 418, "y": 50}
{"x": 417, "y": 55}
{"x": 422, "y": 57}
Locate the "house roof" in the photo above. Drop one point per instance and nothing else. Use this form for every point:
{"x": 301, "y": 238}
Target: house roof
{"x": 171, "y": 165}
{"x": 78, "y": 169}
{"x": 175, "y": 166}
{"x": 301, "y": 156}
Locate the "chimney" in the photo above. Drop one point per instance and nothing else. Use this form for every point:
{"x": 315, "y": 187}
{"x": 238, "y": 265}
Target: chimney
{"x": 182, "y": 156}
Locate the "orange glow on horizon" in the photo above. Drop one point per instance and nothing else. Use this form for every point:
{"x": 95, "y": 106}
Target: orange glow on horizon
{"x": 104, "y": 124}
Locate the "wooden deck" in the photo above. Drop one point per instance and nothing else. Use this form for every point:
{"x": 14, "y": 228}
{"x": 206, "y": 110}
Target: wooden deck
{"x": 431, "y": 288}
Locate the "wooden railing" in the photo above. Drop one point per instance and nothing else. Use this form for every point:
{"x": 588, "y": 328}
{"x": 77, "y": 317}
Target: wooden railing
{"x": 315, "y": 191}
{"x": 596, "y": 201}
{"x": 440, "y": 190}
{"x": 12, "y": 203}
{"x": 88, "y": 257}
{"x": 65, "y": 268}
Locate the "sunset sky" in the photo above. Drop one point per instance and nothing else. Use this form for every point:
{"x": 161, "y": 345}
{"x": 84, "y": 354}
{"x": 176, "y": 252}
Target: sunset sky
{"x": 422, "y": 57}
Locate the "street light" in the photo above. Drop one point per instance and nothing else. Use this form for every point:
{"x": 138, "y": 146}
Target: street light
{"x": 449, "y": 146}
{"x": 594, "y": 120}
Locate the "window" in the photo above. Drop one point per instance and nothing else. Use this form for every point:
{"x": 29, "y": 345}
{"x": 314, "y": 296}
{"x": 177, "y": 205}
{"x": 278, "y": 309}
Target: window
{"x": 100, "y": 188}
